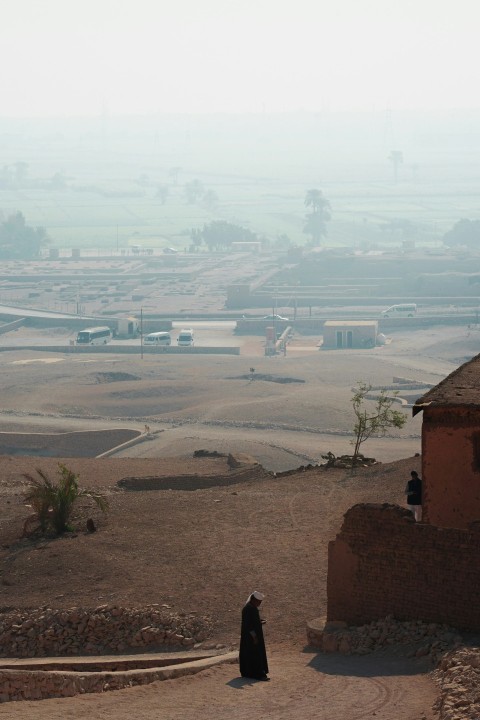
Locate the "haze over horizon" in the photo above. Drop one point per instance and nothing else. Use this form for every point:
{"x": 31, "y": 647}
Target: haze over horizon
{"x": 122, "y": 57}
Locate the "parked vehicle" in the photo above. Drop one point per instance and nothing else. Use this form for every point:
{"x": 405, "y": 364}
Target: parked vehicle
{"x": 94, "y": 336}
{"x": 185, "y": 338}
{"x": 405, "y": 310}
{"x": 275, "y": 318}
{"x": 157, "y": 338}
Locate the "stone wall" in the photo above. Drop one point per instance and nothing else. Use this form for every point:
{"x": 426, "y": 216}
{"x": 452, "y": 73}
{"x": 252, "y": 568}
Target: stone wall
{"x": 383, "y": 563}
{"x": 16, "y": 684}
{"x": 105, "y": 629}
{"x": 417, "y": 638}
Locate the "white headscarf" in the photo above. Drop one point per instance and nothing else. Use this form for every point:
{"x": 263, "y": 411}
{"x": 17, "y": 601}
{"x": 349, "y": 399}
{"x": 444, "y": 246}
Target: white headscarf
{"x": 257, "y": 595}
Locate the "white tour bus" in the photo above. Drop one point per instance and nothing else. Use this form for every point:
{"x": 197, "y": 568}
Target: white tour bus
{"x": 185, "y": 338}
{"x": 157, "y": 338}
{"x": 94, "y": 336}
{"x": 405, "y": 310}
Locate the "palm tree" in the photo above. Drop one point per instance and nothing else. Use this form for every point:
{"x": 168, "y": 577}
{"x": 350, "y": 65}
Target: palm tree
{"x": 54, "y": 502}
{"x": 315, "y": 221}
{"x": 315, "y": 199}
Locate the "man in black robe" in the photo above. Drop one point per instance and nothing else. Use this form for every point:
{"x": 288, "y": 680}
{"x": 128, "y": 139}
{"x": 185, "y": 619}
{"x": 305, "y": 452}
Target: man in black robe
{"x": 253, "y": 656}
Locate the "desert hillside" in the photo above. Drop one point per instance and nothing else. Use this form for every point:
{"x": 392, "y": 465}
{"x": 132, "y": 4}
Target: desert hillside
{"x": 200, "y": 548}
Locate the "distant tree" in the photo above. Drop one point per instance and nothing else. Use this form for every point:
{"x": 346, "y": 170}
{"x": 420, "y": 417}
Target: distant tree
{"x": 193, "y": 191}
{"x": 316, "y": 220}
{"x": 220, "y": 234}
{"x": 375, "y": 420}
{"x": 19, "y": 240}
{"x": 315, "y": 199}
{"x": 162, "y": 193}
{"x": 464, "y": 233}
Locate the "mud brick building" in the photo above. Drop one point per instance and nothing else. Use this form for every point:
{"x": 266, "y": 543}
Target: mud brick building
{"x": 451, "y": 448}
{"x": 383, "y": 563}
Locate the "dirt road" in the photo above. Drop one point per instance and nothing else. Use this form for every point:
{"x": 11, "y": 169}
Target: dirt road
{"x": 303, "y": 686}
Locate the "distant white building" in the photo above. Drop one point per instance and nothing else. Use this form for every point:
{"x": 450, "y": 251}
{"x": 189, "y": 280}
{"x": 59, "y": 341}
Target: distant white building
{"x": 350, "y": 334}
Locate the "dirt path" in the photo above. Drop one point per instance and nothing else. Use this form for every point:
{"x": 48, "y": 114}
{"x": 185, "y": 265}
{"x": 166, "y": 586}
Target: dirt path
{"x": 303, "y": 686}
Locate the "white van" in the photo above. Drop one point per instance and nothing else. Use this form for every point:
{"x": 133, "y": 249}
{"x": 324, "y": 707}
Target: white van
{"x": 157, "y": 338}
{"x": 405, "y": 310}
{"x": 185, "y": 338}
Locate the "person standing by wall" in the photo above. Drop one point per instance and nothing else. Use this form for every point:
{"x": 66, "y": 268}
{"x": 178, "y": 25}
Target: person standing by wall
{"x": 253, "y": 655}
{"x": 413, "y": 491}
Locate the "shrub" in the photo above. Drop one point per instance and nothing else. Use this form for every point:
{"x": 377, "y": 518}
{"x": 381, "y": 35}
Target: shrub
{"x": 53, "y": 502}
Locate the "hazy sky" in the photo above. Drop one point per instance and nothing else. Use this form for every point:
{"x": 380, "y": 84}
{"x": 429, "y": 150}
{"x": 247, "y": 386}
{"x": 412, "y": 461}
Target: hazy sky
{"x": 69, "y": 57}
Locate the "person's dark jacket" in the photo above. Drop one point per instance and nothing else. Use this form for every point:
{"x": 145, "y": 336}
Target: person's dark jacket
{"x": 414, "y": 491}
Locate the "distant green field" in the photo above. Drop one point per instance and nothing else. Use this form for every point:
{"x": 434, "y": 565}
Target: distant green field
{"x": 260, "y": 177}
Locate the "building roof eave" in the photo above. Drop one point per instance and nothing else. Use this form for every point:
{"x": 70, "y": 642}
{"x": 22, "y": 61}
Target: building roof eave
{"x": 418, "y": 407}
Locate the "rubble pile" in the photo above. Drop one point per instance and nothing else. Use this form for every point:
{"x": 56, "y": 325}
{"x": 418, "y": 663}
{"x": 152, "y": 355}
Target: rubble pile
{"x": 106, "y": 629}
{"x": 421, "y": 639}
{"x": 347, "y": 461}
{"x": 458, "y": 676}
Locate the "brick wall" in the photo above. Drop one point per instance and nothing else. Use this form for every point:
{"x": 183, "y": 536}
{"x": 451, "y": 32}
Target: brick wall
{"x": 451, "y": 465}
{"x": 383, "y": 563}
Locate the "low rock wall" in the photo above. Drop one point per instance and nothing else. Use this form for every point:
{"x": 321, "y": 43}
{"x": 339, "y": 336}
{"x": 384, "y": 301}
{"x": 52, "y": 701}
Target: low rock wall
{"x": 39, "y": 685}
{"x": 421, "y": 639}
{"x": 458, "y": 675}
{"x": 105, "y": 629}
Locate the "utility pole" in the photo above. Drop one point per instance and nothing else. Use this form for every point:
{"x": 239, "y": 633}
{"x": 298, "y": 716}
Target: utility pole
{"x": 274, "y": 327}
{"x": 141, "y": 333}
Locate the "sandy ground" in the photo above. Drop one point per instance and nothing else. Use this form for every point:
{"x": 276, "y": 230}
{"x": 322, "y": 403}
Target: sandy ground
{"x": 204, "y": 550}
{"x": 207, "y": 400}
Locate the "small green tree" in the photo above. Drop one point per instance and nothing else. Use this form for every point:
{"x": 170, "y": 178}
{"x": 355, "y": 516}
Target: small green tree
{"x": 376, "y": 420}
{"x": 54, "y": 502}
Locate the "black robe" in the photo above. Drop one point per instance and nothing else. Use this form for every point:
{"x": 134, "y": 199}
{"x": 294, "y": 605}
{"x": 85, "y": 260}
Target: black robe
{"x": 253, "y": 657}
